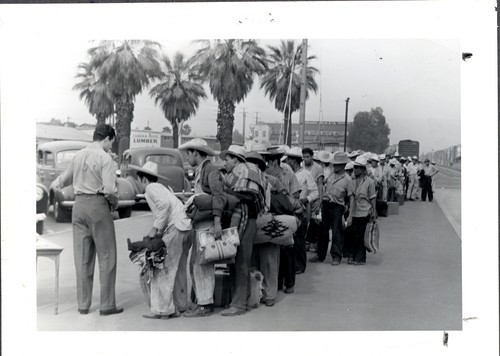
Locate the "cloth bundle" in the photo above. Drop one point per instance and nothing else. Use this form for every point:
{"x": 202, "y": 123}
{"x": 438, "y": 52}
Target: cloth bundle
{"x": 277, "y": 229}
{"x": 148, "y": 254}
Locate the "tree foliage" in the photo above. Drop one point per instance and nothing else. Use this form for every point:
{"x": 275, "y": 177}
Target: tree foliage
{"x": 282, "y": 80}
{"x": 185, "y": 130}
{"x": 369, "y": 131}
{"x": 178, "y": 93}
{"x": 229, "y": 67}
{"x": 167, "y": 129}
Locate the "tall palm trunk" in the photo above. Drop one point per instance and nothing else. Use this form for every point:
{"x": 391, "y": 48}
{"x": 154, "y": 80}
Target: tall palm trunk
{"x": 101, "y": 120}
{"x": 124, "y": 117}
{"x": 225, "y": 123}
{"x": 175, "y": 133}
{"x": 287, "y": 129}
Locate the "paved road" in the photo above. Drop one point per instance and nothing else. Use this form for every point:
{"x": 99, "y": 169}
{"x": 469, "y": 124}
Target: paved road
{"x": 414, "y": 283}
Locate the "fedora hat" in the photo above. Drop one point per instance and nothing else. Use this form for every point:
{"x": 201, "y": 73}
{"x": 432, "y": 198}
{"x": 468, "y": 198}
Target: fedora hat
{"x": 339, "y": 158}
{"x": 324, "y": 156}
{"x": 361, "y": 161}
{"x": 294, "y": 152}
{"x": 236, "y": 151}
{"x": 197, "y": 144}
{"x": 256, "y": 158}
{"x": 150, "y": 168}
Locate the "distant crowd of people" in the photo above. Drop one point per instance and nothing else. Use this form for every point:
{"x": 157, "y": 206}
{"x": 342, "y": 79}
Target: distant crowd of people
{"x": 261, "y": 192}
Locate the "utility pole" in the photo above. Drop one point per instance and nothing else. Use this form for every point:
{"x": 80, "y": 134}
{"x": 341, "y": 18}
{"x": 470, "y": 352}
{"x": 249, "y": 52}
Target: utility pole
{"x": 345, "y": 128}
{"x": 303, "y": 90}
{"x": 244, "y": 124}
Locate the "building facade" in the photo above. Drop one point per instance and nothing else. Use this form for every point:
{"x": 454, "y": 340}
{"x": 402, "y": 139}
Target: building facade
{"x": 318, "y": 135}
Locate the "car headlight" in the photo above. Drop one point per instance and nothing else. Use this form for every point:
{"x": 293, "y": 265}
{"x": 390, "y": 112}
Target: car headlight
{"x": 39, "y": 193}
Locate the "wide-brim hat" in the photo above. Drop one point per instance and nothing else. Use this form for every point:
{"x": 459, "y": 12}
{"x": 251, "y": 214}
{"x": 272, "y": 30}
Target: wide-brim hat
{"x": 355, "y": 154}
{"x": 274, "y": 152}
{"x": 197, "y": 144}
{"x": 324, "y": 156}
{"x": 393, "y": 161}
{"x": 374, "y": 157}
{"x": 349, "y": 166}
{"x": 236, "y": 151}
{"x": 361, "y": 161}
{"x": 339, "y": 158}
{"x": 255, "y": 157}
{"x": 294, "y": 152}
{"x": 150, "y": 168}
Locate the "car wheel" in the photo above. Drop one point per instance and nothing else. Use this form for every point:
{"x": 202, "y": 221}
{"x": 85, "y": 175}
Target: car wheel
{"x": 125, "y": 212}
{"x": 60, "y": 214}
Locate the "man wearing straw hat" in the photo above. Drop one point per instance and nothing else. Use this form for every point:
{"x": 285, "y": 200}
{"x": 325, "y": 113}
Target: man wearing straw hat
{"x": 309, "y": 193}
{"x": 364, "y": 210}
{"x": 208, "y": 180}
{"x": 338, "y": 188}
{"x": 246, "y": 183}
{"x": 167, "y": 288}
{"x": 93, "y": 176}
{"x": 413, "y": 178}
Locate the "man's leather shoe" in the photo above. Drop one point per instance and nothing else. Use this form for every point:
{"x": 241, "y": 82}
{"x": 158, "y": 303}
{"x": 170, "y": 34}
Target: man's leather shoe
{"x": 269, "y": 302}
{"x": 289, "y": 290}
{"x": 111, "y": 311}
{"x": 232, "y": 311}
{"x": 335, "y": 262}
{"x": 152, "y": 316}
{"x": 83, "y": 311}
{"x": 200, "y": 310}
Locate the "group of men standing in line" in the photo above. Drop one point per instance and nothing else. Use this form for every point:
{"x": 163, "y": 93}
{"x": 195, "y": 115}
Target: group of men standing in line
{"x": 341, "y": 189}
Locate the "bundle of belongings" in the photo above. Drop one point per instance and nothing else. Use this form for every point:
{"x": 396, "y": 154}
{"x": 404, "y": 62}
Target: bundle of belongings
{"x": 148, "y": 254}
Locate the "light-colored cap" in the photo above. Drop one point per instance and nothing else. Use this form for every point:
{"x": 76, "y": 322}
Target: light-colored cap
{"x": 360, "y": 161}
{"x": 374, "y": 157}
{"x": 197, "y": 144}
{"x": 415, "y": 157}
{"x": 381, "y": 157}
{"x": 349, "y": 166}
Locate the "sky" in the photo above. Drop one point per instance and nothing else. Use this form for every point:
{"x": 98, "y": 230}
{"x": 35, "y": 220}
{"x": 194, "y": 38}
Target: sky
{"x": 415, "y": 81}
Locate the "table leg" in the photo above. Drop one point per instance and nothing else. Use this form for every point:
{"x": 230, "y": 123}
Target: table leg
{"x": 57, "y": 283}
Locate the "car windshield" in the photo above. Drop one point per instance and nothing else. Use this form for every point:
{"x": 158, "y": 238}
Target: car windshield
{"x": 163, "y": 160}
{"x": 64, "y": 157}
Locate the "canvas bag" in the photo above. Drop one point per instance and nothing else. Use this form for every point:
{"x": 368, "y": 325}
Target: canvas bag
{"x": 372, "y": 236}
{"x": 220, "y": 251}
{"x": 277, "y": 229}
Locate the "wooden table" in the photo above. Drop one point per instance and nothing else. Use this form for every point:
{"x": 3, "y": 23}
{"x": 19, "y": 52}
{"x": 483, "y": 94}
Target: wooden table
{"x": 48, "y": 249}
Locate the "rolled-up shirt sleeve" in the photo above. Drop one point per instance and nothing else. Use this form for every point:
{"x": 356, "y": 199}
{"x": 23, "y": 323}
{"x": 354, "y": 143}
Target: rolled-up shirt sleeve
{"x": 109, "y": 177}
{"x": 159, "y": 206}
{"x": 66, "y": 177}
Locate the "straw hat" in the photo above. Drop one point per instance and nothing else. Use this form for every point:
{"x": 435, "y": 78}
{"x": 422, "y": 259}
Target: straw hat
{"x": 381, "y": 157}
{"x": 349, "y": 166}
{"x": 150, "y": 168}
{"x": 339, "y": 158}
{"x": 360, "y": 161}
{"x": 324, "y": 156}
{"x": 355, "y": 154}
{"x": 197, "y": 144}
{"x": 393, "y": 161}
{"x": 256, "y": 158}
{"x": 415, "y": 158}
{"x": 294, "y": 152}
{"x": 236, "y": 151}
{"x": 374, "y": 157}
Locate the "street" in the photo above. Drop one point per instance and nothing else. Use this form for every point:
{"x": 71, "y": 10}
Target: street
{"x": 413, "y": 283}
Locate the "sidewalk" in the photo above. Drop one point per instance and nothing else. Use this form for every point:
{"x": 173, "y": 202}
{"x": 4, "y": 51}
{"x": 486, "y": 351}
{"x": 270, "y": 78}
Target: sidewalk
{"x": 413, "y": 283}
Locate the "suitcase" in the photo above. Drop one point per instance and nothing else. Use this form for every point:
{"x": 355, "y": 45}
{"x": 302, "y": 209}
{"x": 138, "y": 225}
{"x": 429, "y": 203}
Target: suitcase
{"x": 222, "y": 290}
{"x": 393, "y": 208}
{"x": 382, "y": 208}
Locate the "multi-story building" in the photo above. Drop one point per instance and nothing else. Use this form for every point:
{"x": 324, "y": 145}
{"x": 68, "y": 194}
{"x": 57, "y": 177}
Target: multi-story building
{"x": 325, "y": 135}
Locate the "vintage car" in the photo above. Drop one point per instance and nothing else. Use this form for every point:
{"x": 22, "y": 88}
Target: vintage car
{"x": 52, "y": 160}
{"x": 170, "y": 165}
{"x": 42, "y": 205}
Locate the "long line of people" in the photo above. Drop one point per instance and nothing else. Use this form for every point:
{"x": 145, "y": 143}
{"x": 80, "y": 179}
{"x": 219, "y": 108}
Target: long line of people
{"x": 276, "y": 198}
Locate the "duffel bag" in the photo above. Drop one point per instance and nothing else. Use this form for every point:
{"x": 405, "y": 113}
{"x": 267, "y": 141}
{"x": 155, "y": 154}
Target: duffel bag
{"x": 277, "y": 229}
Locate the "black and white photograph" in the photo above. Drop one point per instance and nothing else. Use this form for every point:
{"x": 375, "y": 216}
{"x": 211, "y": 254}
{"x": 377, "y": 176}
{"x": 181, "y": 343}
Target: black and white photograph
{"x": 273, "y": 168}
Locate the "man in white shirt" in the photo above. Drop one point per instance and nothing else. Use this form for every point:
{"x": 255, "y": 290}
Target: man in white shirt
{"x": 308, "y": 194}
{"x": 168, "y": 286}
{"x": 413, "y": 178}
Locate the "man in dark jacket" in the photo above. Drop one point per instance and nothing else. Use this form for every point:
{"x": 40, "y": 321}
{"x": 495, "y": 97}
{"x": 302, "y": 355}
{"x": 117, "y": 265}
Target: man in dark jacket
{"x": 207, "y": 180}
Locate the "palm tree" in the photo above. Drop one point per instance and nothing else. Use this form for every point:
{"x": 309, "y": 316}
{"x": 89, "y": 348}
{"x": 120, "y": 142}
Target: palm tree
{"x": 229, "y": 66}
{"x": 179, "y": 92}
{"x": 95, "y": 93}
{"x": 281, "y": 82}
{"x": 126, "y": 67}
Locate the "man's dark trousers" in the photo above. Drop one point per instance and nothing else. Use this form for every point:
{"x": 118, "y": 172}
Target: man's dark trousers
{"x": 94, "y": 231}
{"x": 299, "y": 242}
{"x": 427, "y": 188}
{"x": 331, "y": 219}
